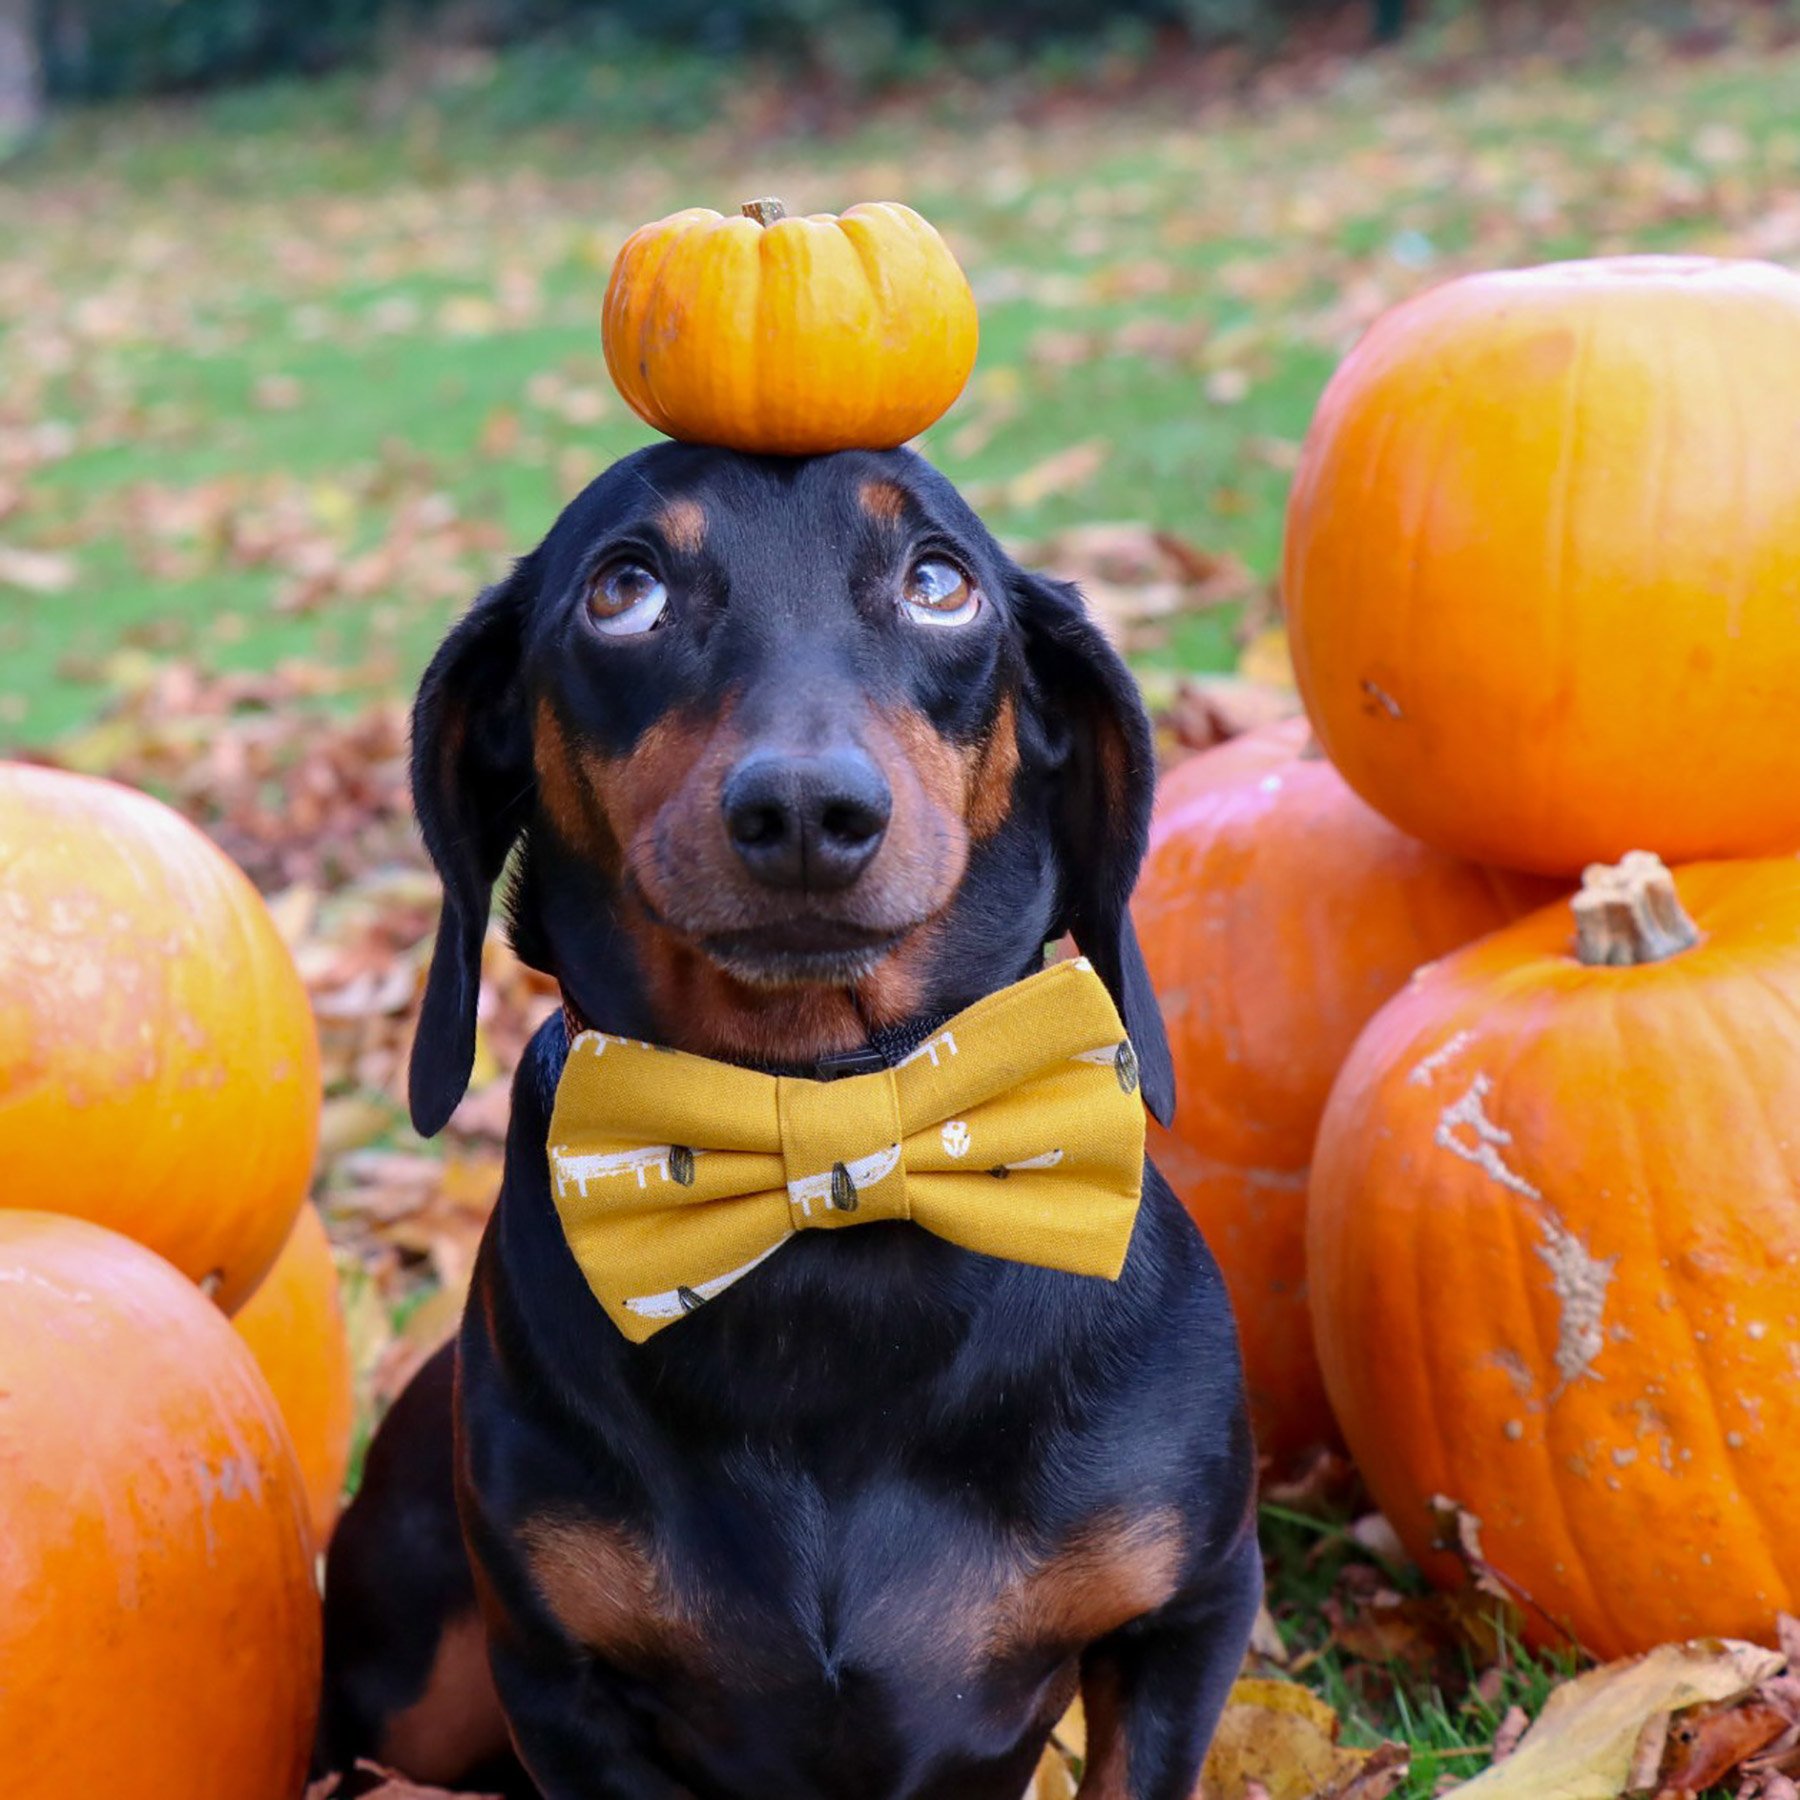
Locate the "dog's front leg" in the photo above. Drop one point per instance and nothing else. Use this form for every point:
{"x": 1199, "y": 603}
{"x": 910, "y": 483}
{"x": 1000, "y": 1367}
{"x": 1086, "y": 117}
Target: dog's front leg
{"x": 1153, "y": 1690}
{"x": 572, "y": 1730}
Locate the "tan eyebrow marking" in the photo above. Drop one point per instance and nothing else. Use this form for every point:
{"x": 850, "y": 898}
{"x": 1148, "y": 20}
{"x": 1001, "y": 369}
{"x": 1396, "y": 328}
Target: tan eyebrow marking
{"x": 683, "y": 525}
{"x": 883, "y": 500}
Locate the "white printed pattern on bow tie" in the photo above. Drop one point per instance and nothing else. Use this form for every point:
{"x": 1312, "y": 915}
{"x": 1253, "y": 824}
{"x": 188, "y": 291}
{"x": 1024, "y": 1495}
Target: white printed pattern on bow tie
{"x": 580, "y": 1170}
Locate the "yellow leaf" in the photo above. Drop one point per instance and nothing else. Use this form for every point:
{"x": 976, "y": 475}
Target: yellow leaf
{"x": 1070, "y": 1734}
{"x": 1581, "y": 1746}
{"x": 1058, "y": 1770}
{"x": 1063, "y": 473}
{"x": 101, "y": 748}
{"x": 1265, "y": 659}
{"x": 295, "y": 911}
{"x": 1281, "y": 1736}
{"x": 349, "y": 1121}
{"x": 486, "y": 1066}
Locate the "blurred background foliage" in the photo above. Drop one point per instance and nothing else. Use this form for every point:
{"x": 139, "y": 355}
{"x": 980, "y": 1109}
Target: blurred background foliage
{"x": 289, "y": 366}
{"x": 109, "y": 48}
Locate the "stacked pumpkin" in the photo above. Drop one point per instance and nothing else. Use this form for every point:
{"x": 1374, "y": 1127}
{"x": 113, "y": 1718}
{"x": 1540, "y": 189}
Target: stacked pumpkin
{"x": 159, "y": 1517}
{"x": 789, "y": 336}
{"x": 1542, "y": 579}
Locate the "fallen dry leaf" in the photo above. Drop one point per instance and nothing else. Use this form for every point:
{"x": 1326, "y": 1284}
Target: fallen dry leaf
{"x": 1063, "y": 473}
{"x": 36, "y": 571}
{"x": 1283, "y": 1737}
{"x": 1266, "y": 660}
{"x": 1582, "y": 1745}
{"x": 397, "y": 1787}
{"x": 1216, "y": 708}
{"x": 1706, "y": 1745}
{"x": 1512, "y": 1727}
{"x": 1265, "y": 1639}
{"x": 1387, "y": 1768}
{"x": 1138, "y": 580}
{"x": 1769, "y": 1786}
{"x": 1458, "y": 1531}
{"x": 1057, "y": 1776}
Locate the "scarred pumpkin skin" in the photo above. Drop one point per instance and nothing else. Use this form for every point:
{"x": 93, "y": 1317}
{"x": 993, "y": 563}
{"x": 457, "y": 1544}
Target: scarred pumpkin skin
{"x": 159, "y": 1620}
{"x": 795, "y": 338}
{"x": 1277, "y": 912}
{"x": 294, "y": 1325}
{"x": 1554, "y": 1237}
{"x": 159, "y": 1069}
{"x": 1542, "y": 571}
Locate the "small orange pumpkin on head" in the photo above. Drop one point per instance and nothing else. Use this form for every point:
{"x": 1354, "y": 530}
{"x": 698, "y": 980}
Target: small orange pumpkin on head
{"x": 789, "y": 336}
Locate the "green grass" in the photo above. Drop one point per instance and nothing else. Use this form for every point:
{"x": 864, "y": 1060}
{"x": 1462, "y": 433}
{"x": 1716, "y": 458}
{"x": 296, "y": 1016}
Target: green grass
{"x": 1440, "y": 1713}
{"x": 319, "y": 308}
{"x": 1445, "y": 1709}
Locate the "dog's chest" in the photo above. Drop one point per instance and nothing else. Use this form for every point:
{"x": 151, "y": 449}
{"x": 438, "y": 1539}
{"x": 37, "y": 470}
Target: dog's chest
{"x": 785, "y": 1590}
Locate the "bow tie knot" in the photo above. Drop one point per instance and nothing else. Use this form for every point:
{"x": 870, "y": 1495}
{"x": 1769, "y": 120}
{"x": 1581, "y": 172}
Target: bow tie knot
{"x": 841, "y": 1148}
{"x": 1015, "y": 1131}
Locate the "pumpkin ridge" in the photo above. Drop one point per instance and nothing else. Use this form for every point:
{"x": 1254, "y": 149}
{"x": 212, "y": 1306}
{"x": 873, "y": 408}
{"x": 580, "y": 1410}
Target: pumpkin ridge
{"x": 689, "y": 245}
{"x": 765, "y": 332}
{"x": 616, "y": 308}
{"x": 864, "y": 250}
{"x": 664, "y": 247}
{"x": 1727, "y": 387}
{"x": 1787, "y": 1002}
{"x": 1749, "y": 1498}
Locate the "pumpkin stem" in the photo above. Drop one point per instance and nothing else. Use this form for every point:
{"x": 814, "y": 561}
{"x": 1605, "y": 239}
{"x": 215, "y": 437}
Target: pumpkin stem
{"x": 1628, "y": 913}
{"x": 764, "y": 212}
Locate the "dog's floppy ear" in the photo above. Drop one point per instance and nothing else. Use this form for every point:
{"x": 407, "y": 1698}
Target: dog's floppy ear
{"x": 1095, "y": 738}
{"x": 472, "y": 789}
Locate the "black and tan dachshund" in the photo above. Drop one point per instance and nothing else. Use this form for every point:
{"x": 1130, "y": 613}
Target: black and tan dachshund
{"x": 792, "y": 762}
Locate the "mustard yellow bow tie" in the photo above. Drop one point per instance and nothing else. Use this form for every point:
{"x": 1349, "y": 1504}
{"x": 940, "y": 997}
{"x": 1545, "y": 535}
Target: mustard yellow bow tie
{"x": 1016, "y": 1131}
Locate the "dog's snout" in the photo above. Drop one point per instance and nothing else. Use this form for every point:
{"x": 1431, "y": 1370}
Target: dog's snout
{"x": 806, "y": 821}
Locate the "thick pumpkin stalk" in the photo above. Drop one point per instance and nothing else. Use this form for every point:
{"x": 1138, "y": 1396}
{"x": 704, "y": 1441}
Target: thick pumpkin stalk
{"x": 1628, "y": 913}
{"x": 764, "y": 212}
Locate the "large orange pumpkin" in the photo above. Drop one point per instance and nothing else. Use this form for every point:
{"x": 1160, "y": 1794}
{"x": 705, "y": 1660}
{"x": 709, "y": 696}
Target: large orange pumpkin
{"x": 1543, "y": 563}
{"x": 1277, "y": 911}
{"x": 159, "y": 1071}
{"x": 1554, "y": 1243}
{"x": 159, "y": 1622}
{"x": 294, "y": 1325}
{"x": 789, "y": 336}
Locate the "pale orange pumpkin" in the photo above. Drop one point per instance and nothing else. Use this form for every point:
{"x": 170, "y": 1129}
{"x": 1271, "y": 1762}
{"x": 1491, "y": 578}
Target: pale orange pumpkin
{"x": 1277, "y": 912}
{"x": 159, "y": 1619}
{"x": 159, "y": 1070}
{"x": 789, "y": 336}
{"x": 1554, "y": 1246}
{"x": 1543, "y": 554}
{"x": 294, "y": 1325}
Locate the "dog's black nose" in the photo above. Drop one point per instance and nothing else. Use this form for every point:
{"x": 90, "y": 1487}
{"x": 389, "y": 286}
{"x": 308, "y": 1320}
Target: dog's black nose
{"x": 811, "y": 821}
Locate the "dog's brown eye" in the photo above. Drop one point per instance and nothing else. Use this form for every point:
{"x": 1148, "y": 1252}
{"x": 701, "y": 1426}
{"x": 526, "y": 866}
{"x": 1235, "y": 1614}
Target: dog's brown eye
{"x": 939, "y": 593}
{"x": 626, "y": 599}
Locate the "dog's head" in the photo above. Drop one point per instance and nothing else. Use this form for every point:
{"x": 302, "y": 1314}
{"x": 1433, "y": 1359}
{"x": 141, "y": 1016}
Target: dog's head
{"x": 791, "y": 751}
